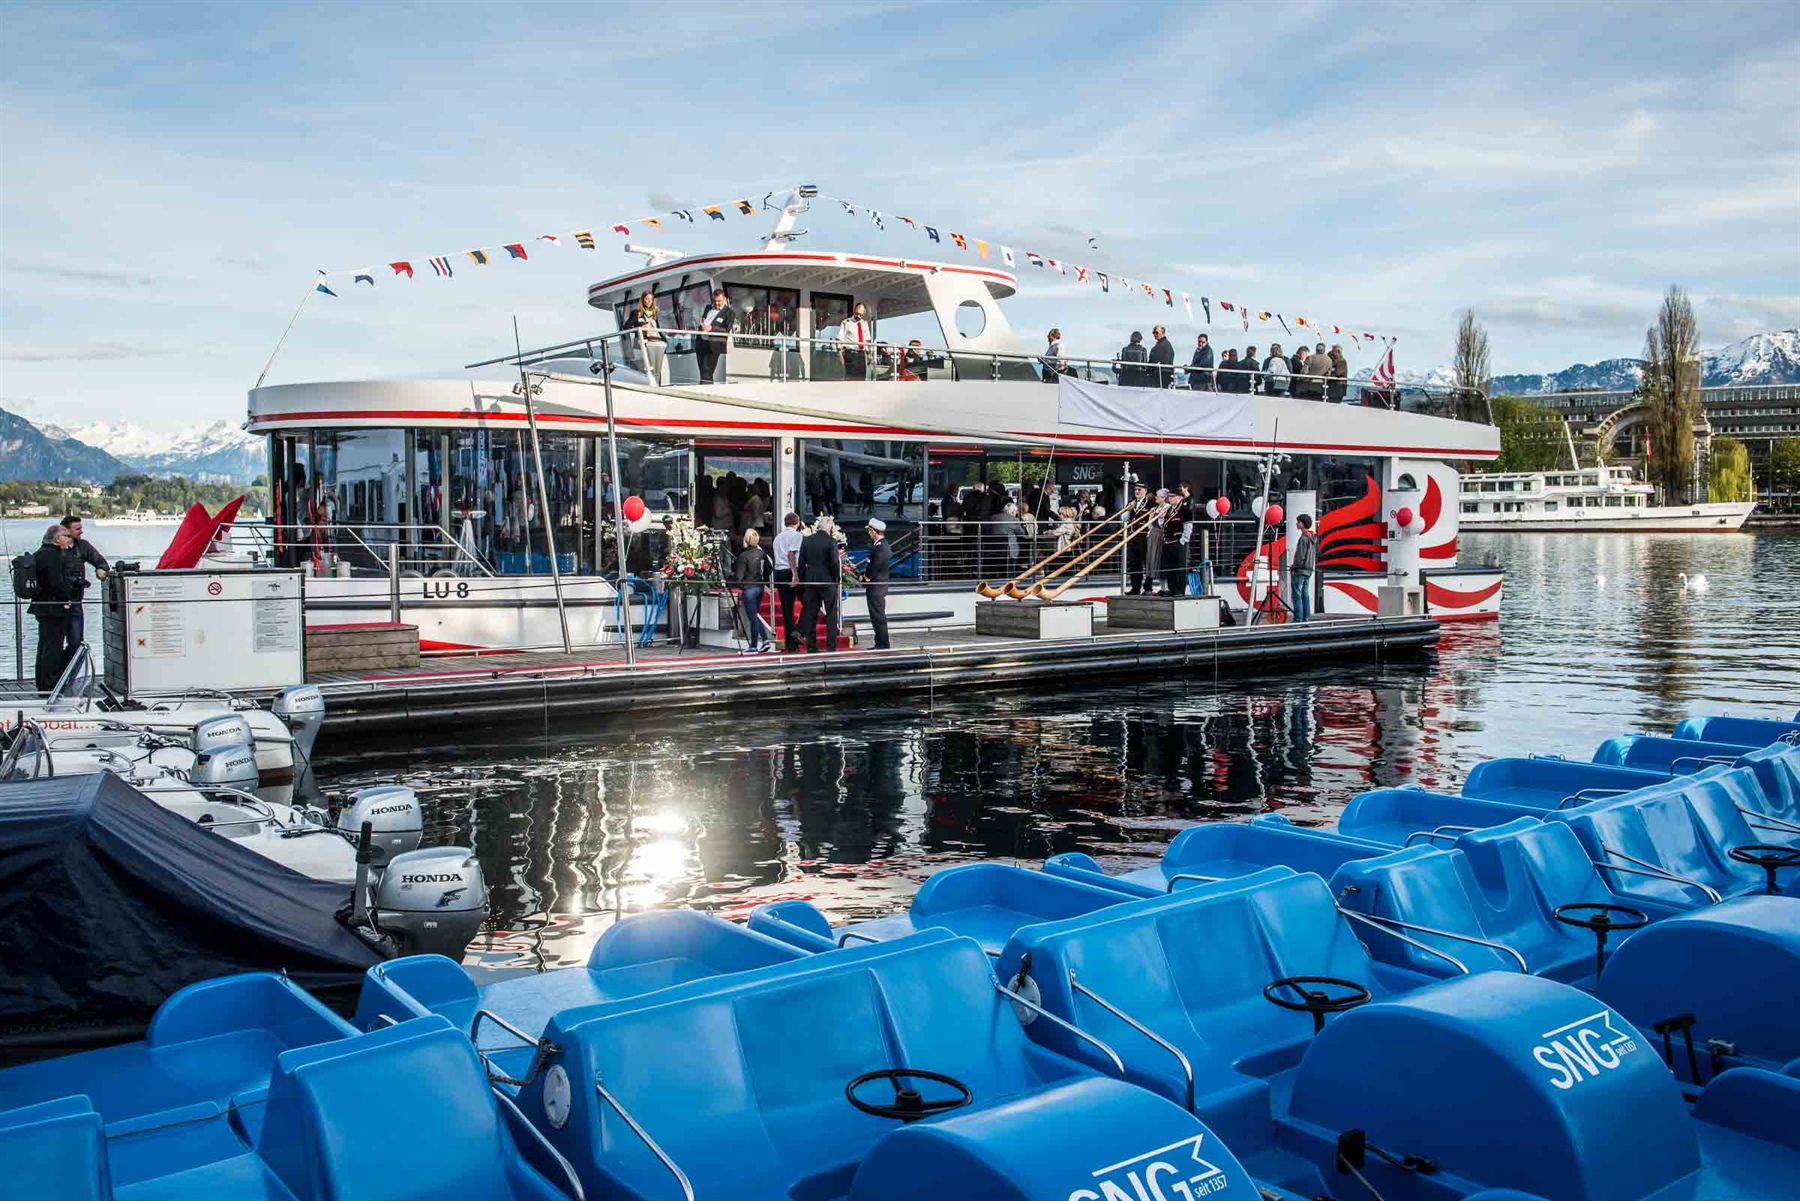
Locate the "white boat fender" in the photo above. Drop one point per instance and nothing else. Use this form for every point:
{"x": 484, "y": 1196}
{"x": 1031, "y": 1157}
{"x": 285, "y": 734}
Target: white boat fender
{"x": 221, "y": 730}
{"x": 393, "y": 814}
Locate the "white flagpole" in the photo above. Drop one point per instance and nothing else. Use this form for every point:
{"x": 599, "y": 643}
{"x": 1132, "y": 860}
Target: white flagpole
{"x": 310, "y": 289}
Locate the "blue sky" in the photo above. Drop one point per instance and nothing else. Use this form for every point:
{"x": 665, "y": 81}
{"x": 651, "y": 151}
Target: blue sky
{"x": 171, "y": 174}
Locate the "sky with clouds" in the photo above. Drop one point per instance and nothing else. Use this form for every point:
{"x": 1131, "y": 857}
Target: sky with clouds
{"x": 172, "y": 174}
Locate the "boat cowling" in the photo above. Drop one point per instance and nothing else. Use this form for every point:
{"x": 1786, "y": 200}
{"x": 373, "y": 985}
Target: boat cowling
{"x": 431, "y": 902}
{"x": 221, "y": 730}
{"x": 396, "y": 822}
{"x": 1468, "y": 1072}
{"x": 231, "y": 766}
{"x": 302, "y": 709}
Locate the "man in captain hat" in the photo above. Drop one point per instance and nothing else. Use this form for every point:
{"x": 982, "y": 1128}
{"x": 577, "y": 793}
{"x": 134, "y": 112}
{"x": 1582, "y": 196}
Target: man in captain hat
{"x": 875, "y": 579}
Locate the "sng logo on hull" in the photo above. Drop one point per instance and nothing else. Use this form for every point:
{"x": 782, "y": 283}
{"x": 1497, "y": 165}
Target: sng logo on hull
{"x": 1172, "y": 1173}
{"x": 1583, "y": 1050}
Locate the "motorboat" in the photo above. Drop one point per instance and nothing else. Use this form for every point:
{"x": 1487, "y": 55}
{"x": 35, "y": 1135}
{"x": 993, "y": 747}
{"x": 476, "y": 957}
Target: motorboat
{"x": 81, "y": 711}
{"x": 210, "y": 780}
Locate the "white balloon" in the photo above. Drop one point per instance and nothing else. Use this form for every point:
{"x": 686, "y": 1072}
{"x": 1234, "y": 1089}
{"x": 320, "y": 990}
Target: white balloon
{"x": 1417, "y": 526}
{"x": 1257, "y": 506}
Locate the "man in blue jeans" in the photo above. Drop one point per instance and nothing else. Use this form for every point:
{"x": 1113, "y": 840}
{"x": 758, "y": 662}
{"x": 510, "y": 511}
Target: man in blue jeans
{"x": 1300, "y": 571}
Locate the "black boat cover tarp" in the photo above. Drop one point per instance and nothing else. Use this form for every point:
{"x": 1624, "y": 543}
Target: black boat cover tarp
{"x": 109, "y": 903}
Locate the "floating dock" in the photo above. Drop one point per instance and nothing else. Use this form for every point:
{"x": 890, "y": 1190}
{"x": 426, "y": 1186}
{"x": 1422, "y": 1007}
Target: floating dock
{"x": 531, "y": 685}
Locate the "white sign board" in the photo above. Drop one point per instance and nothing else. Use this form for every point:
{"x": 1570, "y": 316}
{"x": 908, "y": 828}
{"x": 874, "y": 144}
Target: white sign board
{"x": 213, "y": 629}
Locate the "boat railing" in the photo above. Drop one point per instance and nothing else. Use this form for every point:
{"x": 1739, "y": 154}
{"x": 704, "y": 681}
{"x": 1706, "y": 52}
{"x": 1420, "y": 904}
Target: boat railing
{"x": 1187, "y": 1067}
{"x": 790, "y": 357}
{"x": 669, "y": 1165}
{"x": 390, "y": 549}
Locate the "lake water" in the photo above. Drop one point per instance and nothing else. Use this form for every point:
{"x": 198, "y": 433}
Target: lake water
{"x": 851, "y": 807}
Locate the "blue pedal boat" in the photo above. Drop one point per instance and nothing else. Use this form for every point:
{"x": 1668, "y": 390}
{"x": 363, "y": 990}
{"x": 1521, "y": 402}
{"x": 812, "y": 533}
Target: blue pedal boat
{"x": 246, "y": 1089}
{"x": 1744, "y": 731}
{"x": 1315, "y": 1062}
{"x": 983, "y": 901}
{"x": 1776, "y": 768}
{"x": 506, "y": 1020}
{"x": 875, "y": 1072}
{"x": 1216, "y": 851}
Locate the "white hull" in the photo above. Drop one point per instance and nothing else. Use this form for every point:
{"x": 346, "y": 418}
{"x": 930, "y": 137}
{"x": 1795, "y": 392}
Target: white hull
{"x": 275, "y": 758}
{"x": 1726, "y": 518}
{"x": 469, "y": 612}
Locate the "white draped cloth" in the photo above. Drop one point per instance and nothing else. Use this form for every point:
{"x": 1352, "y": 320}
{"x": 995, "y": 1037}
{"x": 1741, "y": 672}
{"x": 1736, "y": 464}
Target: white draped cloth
{"x": 1166, "y": 412}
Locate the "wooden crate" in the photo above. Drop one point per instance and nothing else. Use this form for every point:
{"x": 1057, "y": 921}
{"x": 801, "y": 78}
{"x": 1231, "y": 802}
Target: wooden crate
{"x": 363, "y": 646}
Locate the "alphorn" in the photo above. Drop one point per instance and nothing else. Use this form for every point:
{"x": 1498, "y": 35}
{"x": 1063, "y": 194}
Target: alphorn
{"x": 1099, "y": 554}
{"x": 1011, "y": 587}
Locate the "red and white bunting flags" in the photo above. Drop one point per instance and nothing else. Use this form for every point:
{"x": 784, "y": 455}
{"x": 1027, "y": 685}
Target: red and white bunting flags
{"x": 1187, "y": 304}
{"x": 1034, "y": 258}
{"x": 1056, "y": 266}
{"x": 550, "y": 238}
{"x": 402, "y": 268}
{"x": 622, "y": 229}
{"x": 441, "y": 265}
{"x": 1081, "y": 275}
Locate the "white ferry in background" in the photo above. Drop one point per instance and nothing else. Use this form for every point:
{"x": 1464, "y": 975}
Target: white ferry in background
{"x": 420, "y": 495}
{"x": 1595, "y": 500}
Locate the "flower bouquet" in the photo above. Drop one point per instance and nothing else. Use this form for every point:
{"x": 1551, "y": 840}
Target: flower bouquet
{"x": 692, "y": 558}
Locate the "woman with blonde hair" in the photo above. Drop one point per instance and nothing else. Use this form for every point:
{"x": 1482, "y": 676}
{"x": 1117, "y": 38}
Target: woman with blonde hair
{"x": 650, "y": 336}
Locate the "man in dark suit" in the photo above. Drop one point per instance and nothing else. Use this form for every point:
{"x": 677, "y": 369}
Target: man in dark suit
{"x": 875, "y": 580}
{"x": 1162, "y": 355}
{"x": 716, "y": 324}
{"x": 819, "y": 585}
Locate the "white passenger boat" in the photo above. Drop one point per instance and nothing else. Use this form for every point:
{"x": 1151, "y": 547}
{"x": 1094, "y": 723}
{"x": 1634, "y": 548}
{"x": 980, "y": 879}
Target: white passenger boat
{"x": 421, "y": 498}
{"x": 1596, "y": 500}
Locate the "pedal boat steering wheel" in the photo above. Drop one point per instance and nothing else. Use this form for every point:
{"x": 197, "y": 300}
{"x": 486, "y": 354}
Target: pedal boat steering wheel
{"x": 1318, "y": 995}
{"x": 909, "y": 1105}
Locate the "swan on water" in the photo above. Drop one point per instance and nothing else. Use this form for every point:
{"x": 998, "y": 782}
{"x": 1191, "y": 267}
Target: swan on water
{"x": 1694, "y": 583}
{"x": 1600, "y": 582}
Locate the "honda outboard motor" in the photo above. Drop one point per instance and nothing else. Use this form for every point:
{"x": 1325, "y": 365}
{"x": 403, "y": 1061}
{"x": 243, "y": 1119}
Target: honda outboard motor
{"x": 225, "y": 766}
{"x": 302, "y": 710}
{"x": 393, "y": 815}
{"x": 221, "y": 730}
{"x": 431, "y": 902}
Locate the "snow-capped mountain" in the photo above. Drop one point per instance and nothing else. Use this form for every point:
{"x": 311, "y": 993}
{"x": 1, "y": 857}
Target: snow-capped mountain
{"x": 219, "y": 452}
{"x": 1759, "y": 359}
{"x": 1772, "y": 358}
{"x": 31, "y": 452}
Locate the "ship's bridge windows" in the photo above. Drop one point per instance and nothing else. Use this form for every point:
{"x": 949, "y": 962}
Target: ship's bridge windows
{"x": 1550, "y": 506}
{"x": 1614, "y": 502}
{"x": 763, "y": 313}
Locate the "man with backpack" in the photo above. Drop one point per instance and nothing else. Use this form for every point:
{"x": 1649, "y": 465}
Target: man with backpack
{"x": 47, "y": 584}
{"x": 80, "y": 555}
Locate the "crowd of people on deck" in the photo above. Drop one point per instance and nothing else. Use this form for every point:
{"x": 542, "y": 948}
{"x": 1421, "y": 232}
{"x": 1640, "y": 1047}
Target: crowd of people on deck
{"x": 1318, "y": 374}
{"x": 59, "y": 570}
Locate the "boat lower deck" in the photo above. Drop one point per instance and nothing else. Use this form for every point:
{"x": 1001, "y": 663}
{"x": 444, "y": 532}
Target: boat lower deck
{"x": 467, "y": 689}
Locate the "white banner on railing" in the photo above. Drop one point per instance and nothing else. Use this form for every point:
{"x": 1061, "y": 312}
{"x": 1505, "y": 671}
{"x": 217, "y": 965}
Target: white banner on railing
{"x": 1170, "y": 412}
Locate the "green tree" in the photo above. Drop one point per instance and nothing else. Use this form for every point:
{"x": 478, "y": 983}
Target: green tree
{"x": 1671, "y": 392}
{"x": 1784, "y": 468}
{"x": 1728, "y": 471}
{"x": 1531, "y": 436}
{"x": 1474, "y": 374}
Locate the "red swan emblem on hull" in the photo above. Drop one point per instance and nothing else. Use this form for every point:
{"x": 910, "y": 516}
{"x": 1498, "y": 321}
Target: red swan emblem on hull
{"x": 1350, "y": 538}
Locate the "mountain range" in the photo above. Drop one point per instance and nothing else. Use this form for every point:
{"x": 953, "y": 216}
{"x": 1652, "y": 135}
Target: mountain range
{"x": 30, "y": 453}
{"x": 1772, "y": 358}
{"x": 215, "y": 453}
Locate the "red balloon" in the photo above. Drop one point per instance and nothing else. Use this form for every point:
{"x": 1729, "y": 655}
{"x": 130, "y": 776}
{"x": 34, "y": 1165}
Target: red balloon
{"x": 1224, "y": 506}
{"x": 634, "y": 508}
{"x": 1403, "y": 517}
{"x": 1273, "y": 514}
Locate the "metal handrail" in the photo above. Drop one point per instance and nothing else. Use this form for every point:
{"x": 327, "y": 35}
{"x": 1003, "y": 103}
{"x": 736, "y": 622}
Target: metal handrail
{"x": 1776, "y": 823}
{"x": 1381, "y": 919}
{"x": 496, "y": 1019}
{"x": 847, "y": 935}
{"x": 1071, "y": 1027}
{"x": 949, "y": 357}
{"x": 687, "y": 1188}
{"x": 1179, "y": 876}
{"x": 1187, "y": 1068}
{"x": 1450, "y": 832}
{"x": 304, "y": 532}
{"x": 1411, "y": 942}
{"x": 569, "y": 1173}
{"x": 1651, "y": 870}
{"x": 1591, "y": 794}
{"x": 1704, "y": 760}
